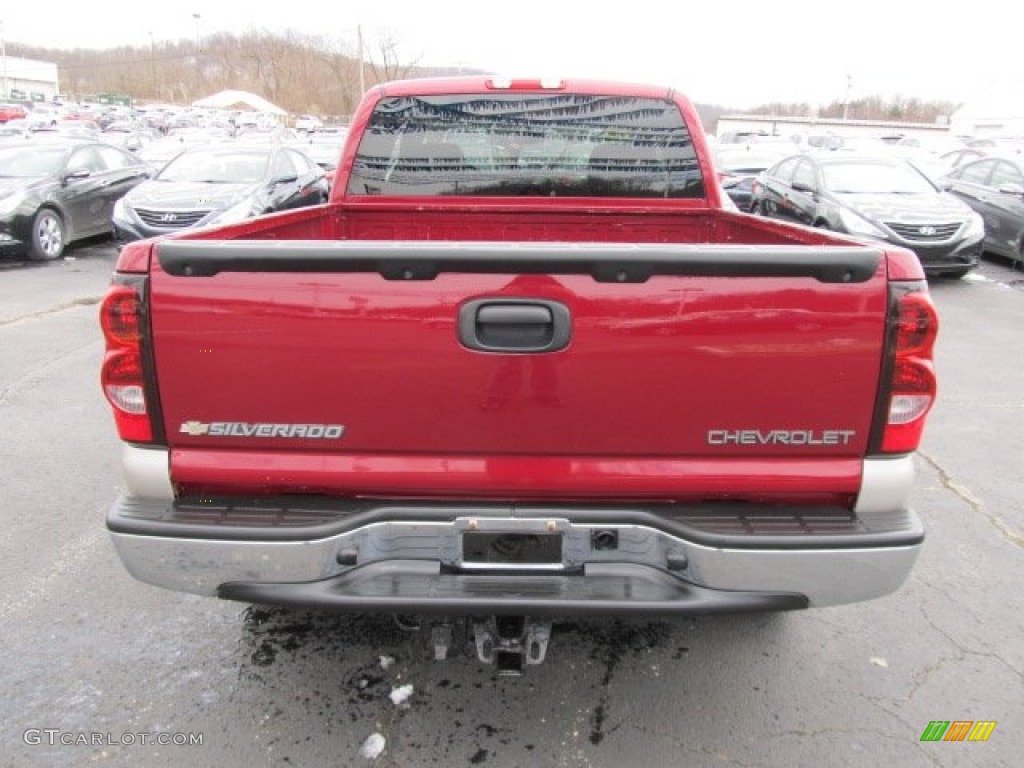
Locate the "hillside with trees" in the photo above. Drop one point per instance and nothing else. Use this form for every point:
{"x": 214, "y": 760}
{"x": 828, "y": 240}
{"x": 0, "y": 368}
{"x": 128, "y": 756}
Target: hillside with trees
{"x": 893, "y": 108}
{"x": 322, "y": 76}
{"x": 300, "y": 73}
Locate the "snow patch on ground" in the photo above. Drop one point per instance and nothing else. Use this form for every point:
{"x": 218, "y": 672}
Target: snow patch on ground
{"x": 373, "y": 747}
{"x": 400, "y": 696}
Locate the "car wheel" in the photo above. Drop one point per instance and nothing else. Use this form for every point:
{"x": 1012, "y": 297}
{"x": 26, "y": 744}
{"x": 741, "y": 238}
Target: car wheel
{"x": 47, "y": 235}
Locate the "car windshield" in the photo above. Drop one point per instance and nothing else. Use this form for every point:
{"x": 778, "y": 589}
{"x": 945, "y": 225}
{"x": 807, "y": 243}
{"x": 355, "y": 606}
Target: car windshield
{"x": 22, "y": 162}
{"x": 243, "y": 167}
{"x": 562, "y": 144}
{"x": 874, "y": 179}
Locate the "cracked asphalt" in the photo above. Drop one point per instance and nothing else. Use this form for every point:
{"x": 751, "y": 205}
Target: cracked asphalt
{"x": 88, "y": 650}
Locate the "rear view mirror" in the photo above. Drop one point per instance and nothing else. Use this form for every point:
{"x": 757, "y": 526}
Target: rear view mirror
{"x": 1012, "y": 189}
{"x": 801, "y": 186}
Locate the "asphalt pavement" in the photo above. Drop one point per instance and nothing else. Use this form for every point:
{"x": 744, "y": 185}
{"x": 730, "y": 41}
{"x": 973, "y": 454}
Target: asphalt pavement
{"x": 96, "y": 666}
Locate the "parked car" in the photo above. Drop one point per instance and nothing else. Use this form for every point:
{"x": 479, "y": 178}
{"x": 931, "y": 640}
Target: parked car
{"x": 875, "y": 197}
{"x": 12, "y": 112}
{"x": 68, "y": 129}
{"x": 42, "y": 115}
{"x": 739, "y": 164}
{"x": 161, "y": 151}
{"x": 861, "y": 145}
{"x": 308, "y": 123}
{"x": 1002, "y": 145}
{"x": 937, "y": 144}
{"x": 14, "y": 130}
{"x": 219, "y": 185}
{"x": 52, "y": 193}
{"x": 322, "y": 149}
{"x": 958, "y": 157}
{"x": 994, "y": 187}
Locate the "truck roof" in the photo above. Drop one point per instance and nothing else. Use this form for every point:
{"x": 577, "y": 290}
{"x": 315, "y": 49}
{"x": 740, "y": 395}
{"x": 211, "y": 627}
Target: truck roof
{"x": 500, "y": 83}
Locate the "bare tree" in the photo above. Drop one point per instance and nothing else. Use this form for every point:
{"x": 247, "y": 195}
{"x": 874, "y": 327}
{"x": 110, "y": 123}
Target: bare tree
{"x": 389, "y": 65}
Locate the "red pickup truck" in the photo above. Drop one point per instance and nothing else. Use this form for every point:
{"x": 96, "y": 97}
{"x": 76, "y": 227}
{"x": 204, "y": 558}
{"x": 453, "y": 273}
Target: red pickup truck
{"x": 524, "y": 364}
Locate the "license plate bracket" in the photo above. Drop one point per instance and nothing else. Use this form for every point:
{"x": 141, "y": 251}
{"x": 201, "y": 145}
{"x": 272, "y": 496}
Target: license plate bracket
{"x": 510, "y": 548}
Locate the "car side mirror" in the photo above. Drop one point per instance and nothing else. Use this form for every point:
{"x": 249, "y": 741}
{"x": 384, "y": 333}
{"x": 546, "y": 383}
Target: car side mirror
{"x": 77, "y": 175}
{"x": 1012, "y": 189}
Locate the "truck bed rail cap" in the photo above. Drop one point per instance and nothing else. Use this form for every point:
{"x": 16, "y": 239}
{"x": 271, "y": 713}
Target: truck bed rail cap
{"x": 606, "y": 262}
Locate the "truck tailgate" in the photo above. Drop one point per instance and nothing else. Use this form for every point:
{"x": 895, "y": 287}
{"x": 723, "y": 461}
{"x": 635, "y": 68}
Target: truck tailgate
{"x": 348, "y": 367}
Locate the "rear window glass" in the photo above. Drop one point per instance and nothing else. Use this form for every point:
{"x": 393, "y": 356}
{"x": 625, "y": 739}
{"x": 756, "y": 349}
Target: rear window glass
{"x": 565, "y": 145}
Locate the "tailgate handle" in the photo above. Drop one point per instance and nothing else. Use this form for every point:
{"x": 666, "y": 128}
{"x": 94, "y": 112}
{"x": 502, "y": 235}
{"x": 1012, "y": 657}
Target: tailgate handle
{"x": 514, "y": 325}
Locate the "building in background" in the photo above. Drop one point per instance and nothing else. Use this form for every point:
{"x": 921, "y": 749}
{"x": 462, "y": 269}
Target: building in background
{"x": 240, "y": 100}
{"x": 996, "y": 110}
{"x": 798, "y": 127}
{"x": 27, "y": 79}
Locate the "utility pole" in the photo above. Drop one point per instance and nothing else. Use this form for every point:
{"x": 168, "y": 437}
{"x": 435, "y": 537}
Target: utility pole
{"x": 846, "y": 101}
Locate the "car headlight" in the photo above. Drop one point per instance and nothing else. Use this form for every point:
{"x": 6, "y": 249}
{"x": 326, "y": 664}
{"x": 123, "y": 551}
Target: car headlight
{"x": 236, "y": 213}
{"x": 119, "y": 212}
{"x": 858, "y": 225}
{"x": 12, "y": 201}
{"x": 975, "y": 226}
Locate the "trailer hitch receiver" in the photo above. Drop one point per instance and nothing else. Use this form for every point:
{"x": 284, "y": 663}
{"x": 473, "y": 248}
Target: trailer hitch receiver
{"x": 511, "y": 642}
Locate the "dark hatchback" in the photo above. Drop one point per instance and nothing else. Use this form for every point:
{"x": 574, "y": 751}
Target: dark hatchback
{"x": 994, "y": 187}
{"x": 52, "y": 193}
{"x": 875, "y": 197}
{"x": 219, "y": 185}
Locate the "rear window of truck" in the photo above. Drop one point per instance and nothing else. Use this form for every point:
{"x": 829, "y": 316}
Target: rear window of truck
{"x": 566, "y": 145}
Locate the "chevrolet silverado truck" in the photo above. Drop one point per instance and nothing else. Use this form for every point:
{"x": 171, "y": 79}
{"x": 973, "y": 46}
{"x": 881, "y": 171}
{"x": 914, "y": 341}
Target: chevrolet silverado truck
{"x": 525, "y": 364}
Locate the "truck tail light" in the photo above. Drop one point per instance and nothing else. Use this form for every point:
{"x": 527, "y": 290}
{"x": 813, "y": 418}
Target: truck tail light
{"x": 909, "y": 385}
{"x": 124, "y": 373}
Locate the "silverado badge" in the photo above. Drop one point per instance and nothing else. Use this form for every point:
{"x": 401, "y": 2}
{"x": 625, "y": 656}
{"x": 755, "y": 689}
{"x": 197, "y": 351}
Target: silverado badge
{"x": 260, "y": 429}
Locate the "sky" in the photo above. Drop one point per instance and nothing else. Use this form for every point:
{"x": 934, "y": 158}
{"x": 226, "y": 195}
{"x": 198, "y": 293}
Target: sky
{"x": 737, "y": 53}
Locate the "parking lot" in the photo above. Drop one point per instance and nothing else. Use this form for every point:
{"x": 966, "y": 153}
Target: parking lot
{"x": 89, "y": 650}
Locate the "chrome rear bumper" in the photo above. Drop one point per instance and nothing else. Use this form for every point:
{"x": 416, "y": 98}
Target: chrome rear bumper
{"x": 404, "y": 556}
{"x": 397, "y": 564}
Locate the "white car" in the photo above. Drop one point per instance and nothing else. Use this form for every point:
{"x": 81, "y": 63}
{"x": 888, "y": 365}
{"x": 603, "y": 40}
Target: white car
{"x": 308, "y": 123}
